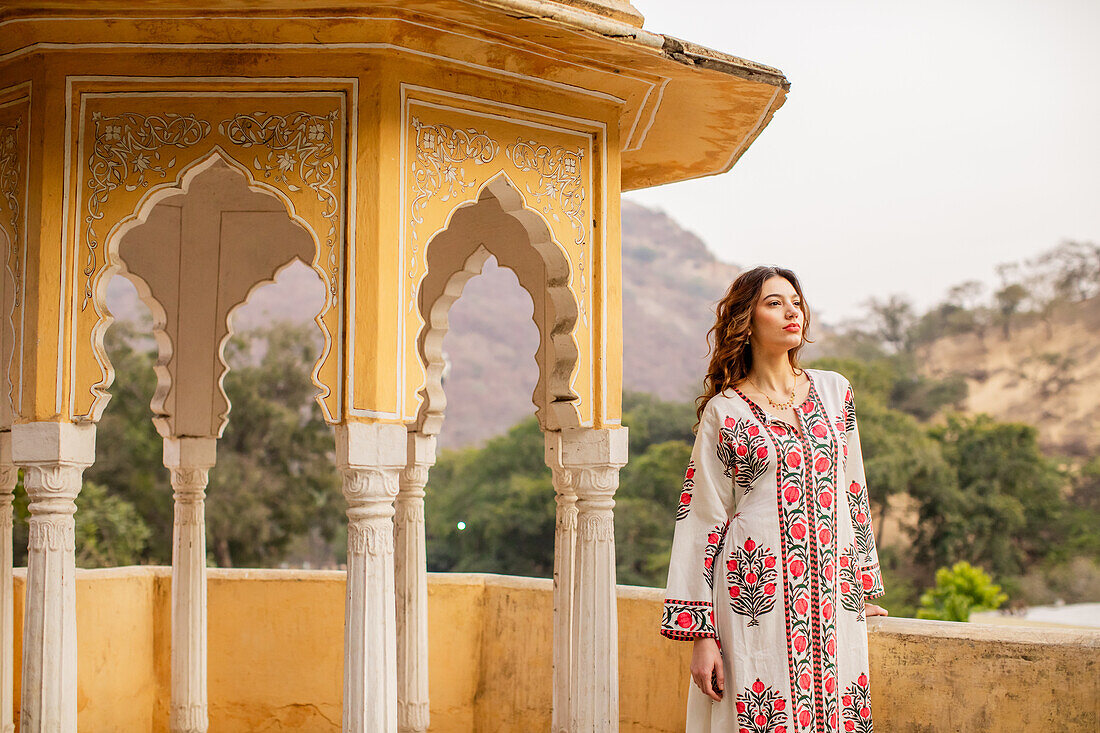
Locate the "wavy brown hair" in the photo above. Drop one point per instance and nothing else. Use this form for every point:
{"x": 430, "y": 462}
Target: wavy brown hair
{"x": 728, "y": 338}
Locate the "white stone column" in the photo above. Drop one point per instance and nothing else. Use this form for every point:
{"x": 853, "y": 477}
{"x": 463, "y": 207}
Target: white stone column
{"x": 53, "y": 457}
{"x": 594, "y": 457}
{"x": 189, "y": 461}
{"x": 565, "y": 542}
{"x": 9, "y": 475}
{"x": 370, "y": 456}
{"x": 411, "y": 567}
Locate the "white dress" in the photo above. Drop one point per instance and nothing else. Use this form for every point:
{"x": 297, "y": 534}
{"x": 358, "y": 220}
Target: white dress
{"x": 774, "y": 555}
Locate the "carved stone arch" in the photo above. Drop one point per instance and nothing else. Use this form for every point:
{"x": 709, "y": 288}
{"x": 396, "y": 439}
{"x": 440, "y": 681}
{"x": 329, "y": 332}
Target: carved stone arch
{"x": 499, "y": 224}
{"x": 214, "y": 203}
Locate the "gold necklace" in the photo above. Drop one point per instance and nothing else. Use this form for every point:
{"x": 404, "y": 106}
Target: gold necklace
{"x": 773, "y": 403}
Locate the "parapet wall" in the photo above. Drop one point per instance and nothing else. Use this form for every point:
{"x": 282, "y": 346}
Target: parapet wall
{"x": 276, "y": 647}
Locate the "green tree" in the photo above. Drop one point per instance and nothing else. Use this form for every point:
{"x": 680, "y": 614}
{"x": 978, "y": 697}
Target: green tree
{"x": 1004, "y": 510}
{"x": 109, "y": 530}
{"x": 960, "y": 591}
{"x": 492, "y": 509}
{"x": 274, "y": 480}
{"x": 128, "y": 450}
{"x": 652, "y": 420}
{"x": 645, "y": 504}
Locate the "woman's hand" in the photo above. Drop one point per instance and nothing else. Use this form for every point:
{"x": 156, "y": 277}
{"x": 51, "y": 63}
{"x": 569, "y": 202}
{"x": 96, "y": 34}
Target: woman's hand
{"x": 706, "y": 662}
{"x": 872, "y": 610}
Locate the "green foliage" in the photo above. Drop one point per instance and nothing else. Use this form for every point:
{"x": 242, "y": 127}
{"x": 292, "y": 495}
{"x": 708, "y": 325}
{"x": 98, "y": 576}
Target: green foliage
{"x": 649, "y": 491}
{"x": 128, "y": 450}
{"x": 1003, "y": 509}
{"x": 652, "y": 420}
{"x": 109, "y": 530}
{"x": 505, "y": 498}
{"x": 275, "y": 478}
{"x": 960, "y": 591}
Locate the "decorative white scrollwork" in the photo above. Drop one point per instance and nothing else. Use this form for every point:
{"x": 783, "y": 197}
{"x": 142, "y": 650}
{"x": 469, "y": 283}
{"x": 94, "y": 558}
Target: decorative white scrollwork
{"x": 10, "y": 174}
{"x": 364, "y": 486}
{"x": 560, "y": 186}
{"x": 51, "y": 533}
{"x": 189, "y": 718}
{"x": 597, "y": 527}
{"x": 301, "y": 146}
{"x": 370, "y": 538}
{"x": 438, "y": 170}
{"x": 126, "y": 152}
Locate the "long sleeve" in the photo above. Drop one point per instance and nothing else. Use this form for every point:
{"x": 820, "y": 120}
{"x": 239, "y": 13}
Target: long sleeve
{"x": 702, "y": 518}
{"x": 860, "y": 505}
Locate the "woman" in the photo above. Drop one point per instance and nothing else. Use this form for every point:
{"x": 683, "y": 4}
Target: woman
{"x": 774, "y": 555}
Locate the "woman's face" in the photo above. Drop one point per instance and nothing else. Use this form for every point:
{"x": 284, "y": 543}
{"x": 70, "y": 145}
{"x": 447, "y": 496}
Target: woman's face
{"x": 777, "y": 319}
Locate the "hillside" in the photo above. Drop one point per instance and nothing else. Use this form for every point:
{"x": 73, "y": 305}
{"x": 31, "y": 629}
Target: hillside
{"x": 1047, "y": 377}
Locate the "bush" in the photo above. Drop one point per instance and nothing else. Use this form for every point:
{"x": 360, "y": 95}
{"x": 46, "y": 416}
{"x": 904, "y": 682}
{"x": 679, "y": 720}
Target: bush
{"x": 960, "y": 591}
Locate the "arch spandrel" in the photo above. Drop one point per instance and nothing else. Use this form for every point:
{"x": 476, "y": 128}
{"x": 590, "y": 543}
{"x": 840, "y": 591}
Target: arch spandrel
{"x": 14, "y": 167}
{"x": 135, "y": 150}
{"x": 450, "y": 155}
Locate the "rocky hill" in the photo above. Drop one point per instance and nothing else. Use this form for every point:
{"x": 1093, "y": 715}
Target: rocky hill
{"x": 1046, "y": 374}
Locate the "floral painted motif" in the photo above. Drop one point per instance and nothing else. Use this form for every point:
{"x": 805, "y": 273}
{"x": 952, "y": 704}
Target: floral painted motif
{"x": 126, "y": 153}
{"x": 687, "y": 620}
{"x": 760, "y": 709}
{"x": 751, "y": 575}
{"x": 857, "y": 707}
{"x": 851, "y": 582}
{"x": 859, "y": 506}
{"x": 849, "y": 412}
{"x": 743, "y": 450}
{"x": 715, "y": 538}
{"x": 685, "y": 495}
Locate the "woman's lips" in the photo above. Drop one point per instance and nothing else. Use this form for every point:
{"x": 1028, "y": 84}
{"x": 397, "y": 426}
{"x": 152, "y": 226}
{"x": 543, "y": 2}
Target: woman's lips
{"x": 793, "y": 327}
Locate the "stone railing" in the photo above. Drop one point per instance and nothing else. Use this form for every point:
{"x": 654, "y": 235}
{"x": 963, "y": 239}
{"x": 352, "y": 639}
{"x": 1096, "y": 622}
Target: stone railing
{"x": 275, "y": 659}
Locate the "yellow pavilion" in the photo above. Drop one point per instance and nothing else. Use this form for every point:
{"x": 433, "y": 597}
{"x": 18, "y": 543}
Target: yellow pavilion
{"x": 199, "y": 147}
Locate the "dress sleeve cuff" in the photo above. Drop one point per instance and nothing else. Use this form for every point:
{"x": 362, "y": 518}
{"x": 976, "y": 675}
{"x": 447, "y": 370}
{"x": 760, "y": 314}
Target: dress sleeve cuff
{"x": 688, "y": 620}
{"x": 872, "y": 581}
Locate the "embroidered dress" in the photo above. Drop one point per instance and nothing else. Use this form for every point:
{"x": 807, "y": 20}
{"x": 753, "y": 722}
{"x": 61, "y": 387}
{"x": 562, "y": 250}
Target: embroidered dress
{"x": 774, "y": 556}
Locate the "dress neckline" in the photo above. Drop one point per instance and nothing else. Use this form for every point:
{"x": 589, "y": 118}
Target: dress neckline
{"x": 766, "y": 417}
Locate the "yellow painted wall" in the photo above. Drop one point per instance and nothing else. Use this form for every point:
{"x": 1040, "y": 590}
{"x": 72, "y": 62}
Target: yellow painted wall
{"x": 276, "y": 638}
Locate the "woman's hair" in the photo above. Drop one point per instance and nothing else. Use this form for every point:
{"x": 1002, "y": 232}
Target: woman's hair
{"x": 731, "y": 354}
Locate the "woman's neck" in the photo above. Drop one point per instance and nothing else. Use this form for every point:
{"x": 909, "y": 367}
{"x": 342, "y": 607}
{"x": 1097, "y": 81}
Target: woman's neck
{"x": 772, "y": 372}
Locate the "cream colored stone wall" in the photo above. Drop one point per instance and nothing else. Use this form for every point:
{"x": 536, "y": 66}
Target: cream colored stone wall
{"x": 276, "y": 639}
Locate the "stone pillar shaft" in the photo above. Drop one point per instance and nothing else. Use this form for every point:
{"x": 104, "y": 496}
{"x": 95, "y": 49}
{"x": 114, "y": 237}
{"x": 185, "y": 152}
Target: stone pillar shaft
{"x": 565, "y": 541}
{"x": 189, "y": 460}
{"x": 53, "y": 456}
{"x": 370, "y": 457}
{"x": 593, "y": 458}
{"x": 411, "y": 570}
{"x": 9, "y": 476}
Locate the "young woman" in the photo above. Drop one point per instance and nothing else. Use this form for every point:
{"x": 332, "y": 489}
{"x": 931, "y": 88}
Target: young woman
{"x": 774, "y": 555}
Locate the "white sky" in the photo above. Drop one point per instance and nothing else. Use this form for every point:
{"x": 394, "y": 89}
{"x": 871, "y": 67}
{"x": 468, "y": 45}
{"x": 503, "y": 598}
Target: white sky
{"x": 921, "y": 144}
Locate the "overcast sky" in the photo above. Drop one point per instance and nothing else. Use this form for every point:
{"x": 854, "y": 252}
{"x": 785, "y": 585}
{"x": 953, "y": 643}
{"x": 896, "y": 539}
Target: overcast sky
{"x": 921, "y": 143}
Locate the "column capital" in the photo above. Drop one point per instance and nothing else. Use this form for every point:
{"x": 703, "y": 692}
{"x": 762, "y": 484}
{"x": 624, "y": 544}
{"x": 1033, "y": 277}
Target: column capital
{"x": 53, "y": 443}
{"x": 190, "y": 452}
{"x": 593, "y": 447}
{"x": 371, "y": 445}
